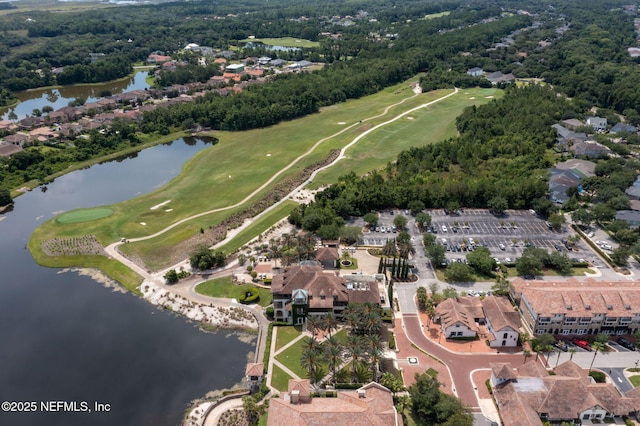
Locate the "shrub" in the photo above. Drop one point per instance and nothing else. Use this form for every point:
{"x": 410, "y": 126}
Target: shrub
{"x": 489, "y": 388}
{"x": 269, "y": 312}
{"x": 392, "y": 341}
{"x": 249, "y": 296}
{"x": 267, "y": 281}
{"x": 598, "y": 376}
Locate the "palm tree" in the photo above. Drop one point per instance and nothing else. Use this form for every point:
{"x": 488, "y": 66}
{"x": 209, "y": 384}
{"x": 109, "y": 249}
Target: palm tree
{"x": 406, "y": 249}
{"x": 361, "y": 374}
{"x": 333, "y": 355}
{"x": 389, "y": 249}
{"x": 571, "y": 352}
{"x": 275, "y": 251}
{"x": 311, "y": 343}
{"x": 547, "y": 349}
{"x": 354, "y": 348}
{"x": 527, "y": 354}
{"x": 431, "y": 314}
{"x": 313, "y": 323}
{"x": 597, "y": 347}
{"x": 310, "y": 360}
{"x": 330, "y": 323}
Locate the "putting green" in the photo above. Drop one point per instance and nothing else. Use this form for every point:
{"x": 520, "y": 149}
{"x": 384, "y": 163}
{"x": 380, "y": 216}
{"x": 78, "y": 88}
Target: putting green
{"x": 85, "y": 215}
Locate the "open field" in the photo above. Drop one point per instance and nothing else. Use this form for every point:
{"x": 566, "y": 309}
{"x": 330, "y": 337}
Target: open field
{"x": 80, "y": 216}
{"x": 224, "y": 287}
{"x": 280, "y": 379}
{"x": 283, "y": 41}
{"x": 226, "y": 173}
{"x": 425, "y": 126}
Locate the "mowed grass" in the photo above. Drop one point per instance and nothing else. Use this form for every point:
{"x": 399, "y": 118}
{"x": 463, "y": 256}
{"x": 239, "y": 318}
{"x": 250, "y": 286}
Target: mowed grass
{"x": 283, "y": 41}
{"x": 280, "y": 379}
{"x": 224, "y": 287}
{"x": 85, "y": 215}
{"x": 291, "y": 357}
{"x": 428, "y": 125}
{"x": 286, "y": 335}
{"x": 224, "y": 174}
{"x": 635, "y": 380}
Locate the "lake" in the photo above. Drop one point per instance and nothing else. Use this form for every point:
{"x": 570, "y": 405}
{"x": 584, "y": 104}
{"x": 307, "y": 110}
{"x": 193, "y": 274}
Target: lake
{"x": 61, "y": 96}
{"x": 65, "y": 337}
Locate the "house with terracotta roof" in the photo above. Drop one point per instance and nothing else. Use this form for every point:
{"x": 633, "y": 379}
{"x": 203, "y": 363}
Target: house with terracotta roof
{"x": 576, "y": 308}
{"x": 462, "y": 317}
{"x": 8, "y": 149}
{"x": 370, "y": 405}
{"x": 502, "y": 320}
{"x": 303, "y": 290}
{"x": 254, "y": 375}
{"x": 529, "y": 395}
{"x": 328, "y": 257}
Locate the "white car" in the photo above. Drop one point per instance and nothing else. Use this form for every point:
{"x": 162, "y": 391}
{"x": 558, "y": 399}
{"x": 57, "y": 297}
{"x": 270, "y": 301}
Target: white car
{"x": 444, "y": 228}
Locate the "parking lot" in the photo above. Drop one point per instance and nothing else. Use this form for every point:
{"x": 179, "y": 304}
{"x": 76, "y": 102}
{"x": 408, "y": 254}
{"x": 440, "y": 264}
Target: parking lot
{"x": 505, "y": 236}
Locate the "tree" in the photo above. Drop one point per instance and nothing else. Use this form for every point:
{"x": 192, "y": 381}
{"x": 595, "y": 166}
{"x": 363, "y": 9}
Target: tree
{"x": 421, "y": 295}
{"x": 556, "y": 220}
{"x": 416, "y": 206}
{"x": 458, "y": 272}
{"x": 350, "y": 235}
{"x": 389, "y": 249}
{"x": 333, "y": 355}
{"x": 400, "y": 222}
{"x": 329, "y": 323}
{"x": 251, "y": 409}
{"x": 434, "y": 407}
{"x": 371, "y": 219}
{"x": 354, "y": 348}
{"x": 502, "y": 286}
{"x": 481, "y": 260}
{"x": 603, "y": 213}
{"x": 582, "y": 217}
{"x": 437, "y": 254}
{"x": 391, "y": 382}
{"x": 47, "y": 109}
{"x": 449, "y": 293}
{"x": 171, "y": 276}
{"x": 531, "y": 262}
{"x": 423, "y": 220}
{"x": 310, "y": 361}
{"x": 597, "y": 347}
{"x": 203, "y": 258}
{"x": 5, "y": 197}
{"x": 498, "y": 205}
{"x": 620, "y": 256}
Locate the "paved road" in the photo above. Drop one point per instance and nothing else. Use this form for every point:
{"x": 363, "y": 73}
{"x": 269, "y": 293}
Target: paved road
{"x": 460, "y": 364}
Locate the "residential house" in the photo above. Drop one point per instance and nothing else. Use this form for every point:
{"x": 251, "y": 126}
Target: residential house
{"x": 560, "y": 181}
{"x": 503, "y": 322}
{"x": 632, "y": 217}
{"x": 155, "y": 58}
{"x": 227, "y": 54}
{"x": 264, "y": 60}
{"x": 300, "y": 65}
{"x": 572, "y": 123}
{"x": 372, "y": 404}
{"x": 599, "y": 124}
{"x": 8, "y": 149}
{"x": 581, "y": 168}
{"x": 42, "y": 135}
{"x": 622, "y": 127}
{"x": 459, "y": 317}
{"x": 71, "y": 113}
{"x": 475, "y": 72}
{"x": 277, "y": 62}
{"x": 529, "y": 395}
{"x": 303, "y": 290}
{"x": 577, "y": 308}
{"x": 589, "y": 149}
{"x": 634, "y": 190}
{"x": 7, "y": 126}
{"x": 29, "y": 123}
{"x": 18, "y": 139}
{"x": 499, "y": 77}
{"x": 234, "y": 69}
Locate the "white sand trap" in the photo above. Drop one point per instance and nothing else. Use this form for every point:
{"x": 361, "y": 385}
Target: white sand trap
{"x": 473, "y": 97}
{"x": 341, "y": 122}
{"x": 268, "y": 155}
{"x": 157, "y": 206}
{"x": 409, "y": 118}
{"x": 489, "y": 97}
{"x": 168, "y": 210}
{"x": 143, "y": 223}
{"x": 3, "y": 218}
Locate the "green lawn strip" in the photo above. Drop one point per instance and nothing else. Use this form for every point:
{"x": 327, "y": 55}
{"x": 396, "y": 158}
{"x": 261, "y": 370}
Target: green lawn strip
{"x": 280, "y": 379}
{"x": 283, "y": 41}
{"x": 635, "y": 380}
{"x": 425, "y": 126}
{"x": 286, "y": 335}
{"x": 290, "y": 358}
{"x": 259, "y": 226}
{"x": 224, "y": 287}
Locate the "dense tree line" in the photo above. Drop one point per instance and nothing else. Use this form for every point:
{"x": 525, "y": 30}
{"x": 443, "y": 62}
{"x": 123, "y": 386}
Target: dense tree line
{"x": 501, "y": 153}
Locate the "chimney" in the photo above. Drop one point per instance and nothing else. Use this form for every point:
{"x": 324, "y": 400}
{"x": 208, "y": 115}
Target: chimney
{"x": 362, "y": 393}
{"x": 295, "y": 396}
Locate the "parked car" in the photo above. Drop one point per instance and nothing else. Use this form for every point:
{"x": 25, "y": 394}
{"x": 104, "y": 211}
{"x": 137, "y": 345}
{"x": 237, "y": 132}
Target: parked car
{"x": 502, "y": 247}
{"x": 444, "y": 228}
{"x": 626, "y": 344}
{"x": 560, "y": 344}
{"x": 582, "y": 344}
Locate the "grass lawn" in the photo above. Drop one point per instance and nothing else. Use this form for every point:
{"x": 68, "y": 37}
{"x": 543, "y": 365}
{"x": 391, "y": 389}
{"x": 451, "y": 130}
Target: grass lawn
{"x": 286, "y": 335}
{"x": 280, "y": 379}
{"x": 635, "y": 380}
{"x": 422, "y": 127}
{"x": 290, "y": 358}
{"x": 84, "y": 215}
{"x": 259, "y": 226}
{"x": 224, "y": 287}
{"x": 222, "y": 176}
{"x": 283, "y": 41}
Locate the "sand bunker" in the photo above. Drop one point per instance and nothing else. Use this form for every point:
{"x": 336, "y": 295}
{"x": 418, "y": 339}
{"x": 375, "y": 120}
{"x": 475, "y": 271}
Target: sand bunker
{"x": 342, "y": 122}
{"x": 268, "y": 155}
{"x": 168, "y": 210}
{"x": 409, "y": 118}
{"x": 473, "y": 97}
{"x": 489, "y": 97}
{"x": 157, "y": 206}
{"x": 143, "y": 223}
